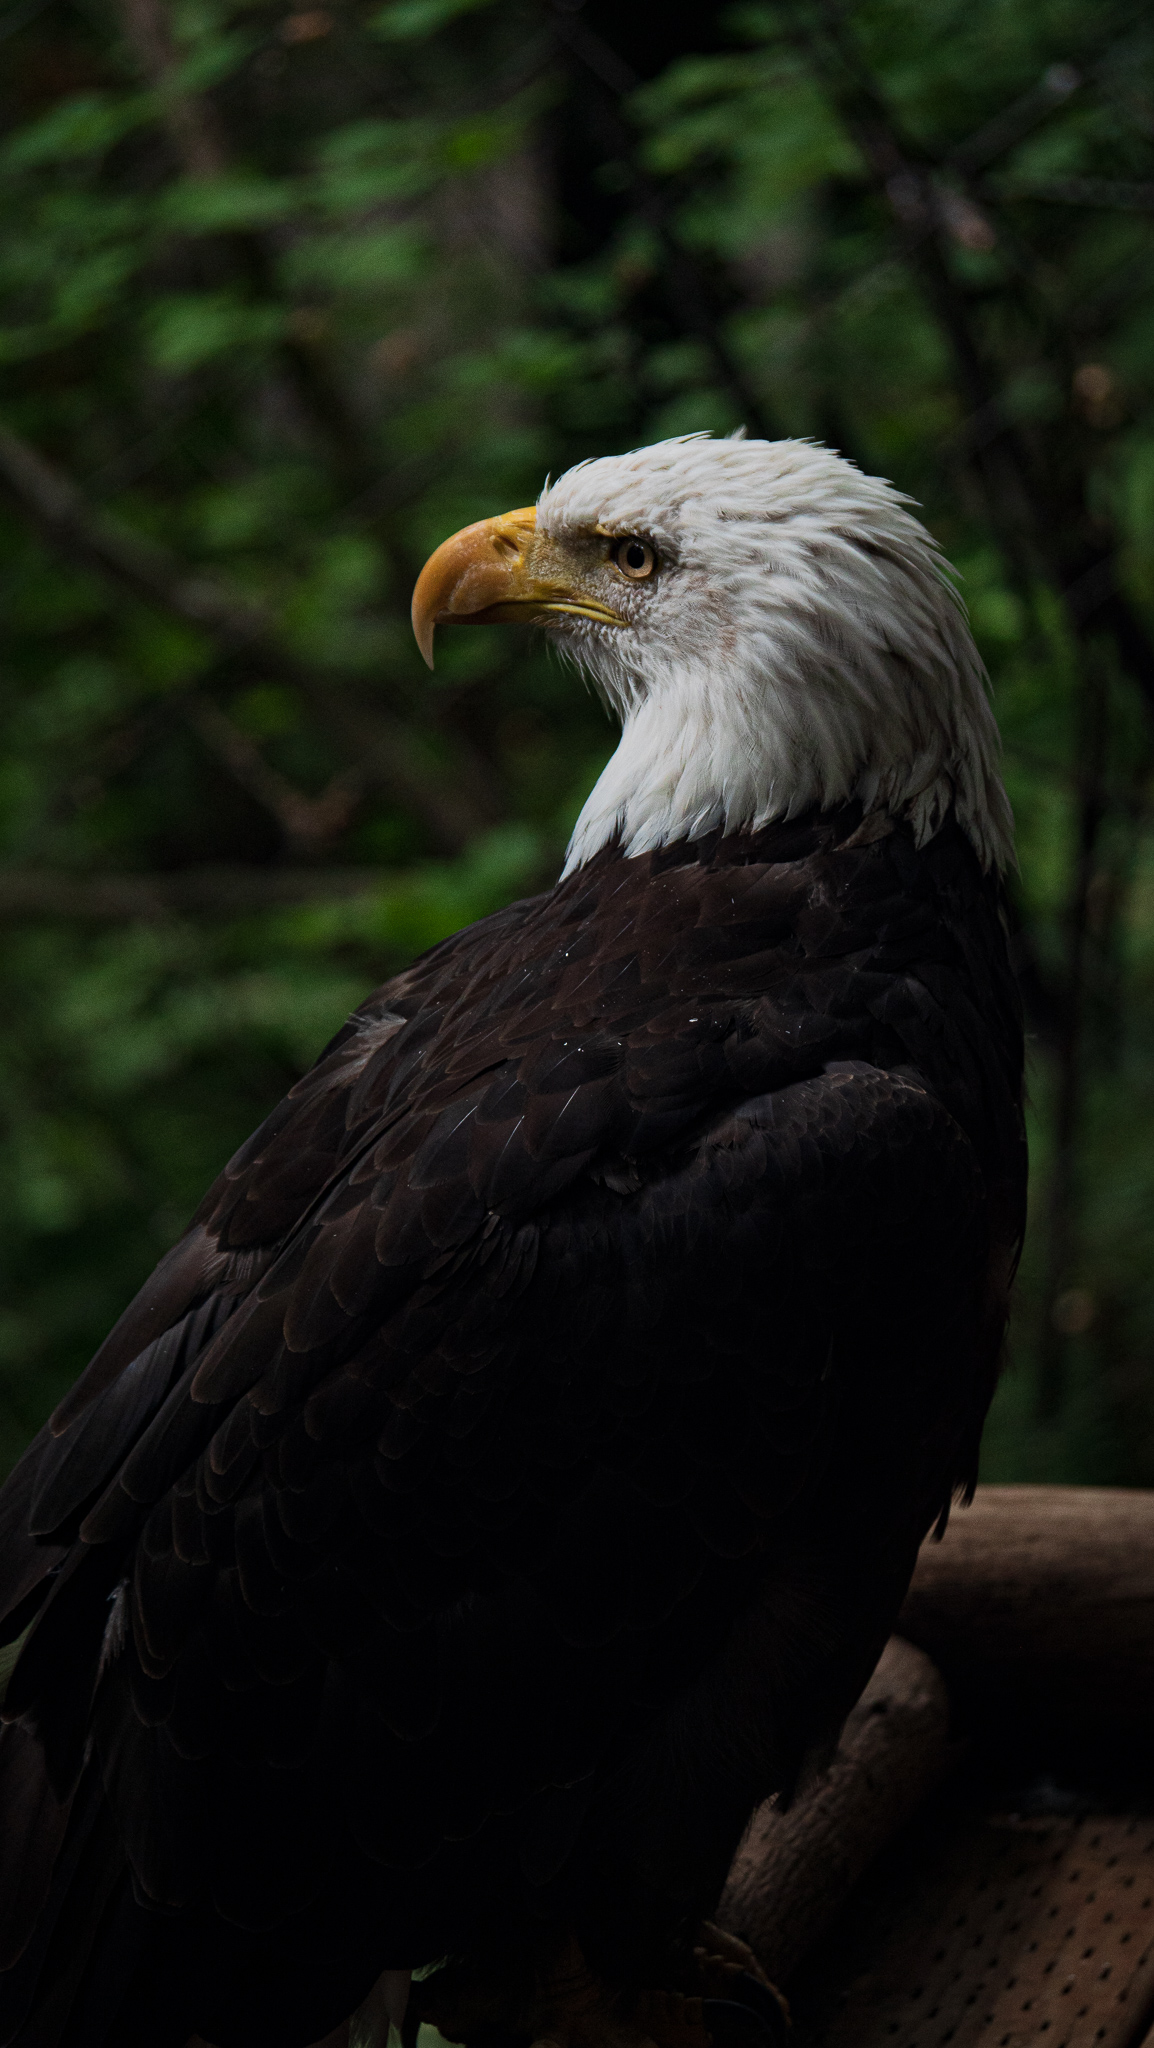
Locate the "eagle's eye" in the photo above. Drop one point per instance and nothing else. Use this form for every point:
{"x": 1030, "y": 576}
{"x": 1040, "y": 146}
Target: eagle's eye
{"x": 635, "y": 558}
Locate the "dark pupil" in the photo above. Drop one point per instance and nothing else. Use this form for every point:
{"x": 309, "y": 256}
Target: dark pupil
{"x": 635, "y": 555}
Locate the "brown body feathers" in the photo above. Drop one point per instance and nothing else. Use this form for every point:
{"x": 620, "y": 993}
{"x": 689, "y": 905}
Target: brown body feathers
{"x": 514, "y": 1471}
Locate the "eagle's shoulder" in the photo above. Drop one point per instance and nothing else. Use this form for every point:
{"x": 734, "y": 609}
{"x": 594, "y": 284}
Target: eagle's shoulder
{"x": 608, "y": 1018}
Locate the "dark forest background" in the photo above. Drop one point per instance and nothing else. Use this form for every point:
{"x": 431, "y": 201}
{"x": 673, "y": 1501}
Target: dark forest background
{"x": 286, "y": 297}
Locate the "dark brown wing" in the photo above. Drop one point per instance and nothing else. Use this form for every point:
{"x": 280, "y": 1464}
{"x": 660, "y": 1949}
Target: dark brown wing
{"x": 444, "y": 1467}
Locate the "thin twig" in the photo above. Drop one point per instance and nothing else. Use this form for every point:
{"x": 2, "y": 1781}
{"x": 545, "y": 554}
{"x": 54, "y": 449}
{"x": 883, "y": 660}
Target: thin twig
{"x": 1008, "y": 127}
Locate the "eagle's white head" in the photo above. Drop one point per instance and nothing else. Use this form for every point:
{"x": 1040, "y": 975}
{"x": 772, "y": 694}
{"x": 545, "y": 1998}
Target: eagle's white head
{"x": 774, "y": 630}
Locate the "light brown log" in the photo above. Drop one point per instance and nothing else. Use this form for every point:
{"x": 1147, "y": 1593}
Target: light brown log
{"x": 1038, "y": 1607}
{"x": 795, "y": 1869}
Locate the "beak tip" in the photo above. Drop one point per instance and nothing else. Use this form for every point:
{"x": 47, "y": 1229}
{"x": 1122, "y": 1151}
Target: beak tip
{"x": 423, "y": 630}
{"x": 468, "y": 574}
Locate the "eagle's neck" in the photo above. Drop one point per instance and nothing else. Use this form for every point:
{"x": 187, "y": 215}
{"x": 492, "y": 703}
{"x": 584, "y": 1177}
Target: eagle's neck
{"x": 677, "y": 773}
{"x": 711, "y": 750}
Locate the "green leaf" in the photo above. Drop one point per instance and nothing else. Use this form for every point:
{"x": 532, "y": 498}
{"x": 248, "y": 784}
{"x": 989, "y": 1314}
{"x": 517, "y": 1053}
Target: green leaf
{"x": 84, "y": 126}
{"x": 213, "y": 206}
{"x": 405, "y": 21}
{"x": 186, "y": 330}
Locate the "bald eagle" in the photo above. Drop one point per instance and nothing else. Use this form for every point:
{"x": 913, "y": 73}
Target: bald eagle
{"x": 511, "y": 1476}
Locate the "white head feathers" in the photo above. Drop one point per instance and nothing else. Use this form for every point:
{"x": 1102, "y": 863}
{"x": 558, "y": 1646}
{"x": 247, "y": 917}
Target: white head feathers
{"x": 799, "y": 643}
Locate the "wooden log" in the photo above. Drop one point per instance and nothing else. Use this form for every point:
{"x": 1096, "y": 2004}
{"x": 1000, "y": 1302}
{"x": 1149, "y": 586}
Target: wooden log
{"x": 1038, "y": 1608}
{"x": 795, "y": 1869}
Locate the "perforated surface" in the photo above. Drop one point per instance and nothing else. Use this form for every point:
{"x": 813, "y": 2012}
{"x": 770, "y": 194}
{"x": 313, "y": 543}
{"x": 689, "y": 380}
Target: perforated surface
{"x": 996, "y": 1933}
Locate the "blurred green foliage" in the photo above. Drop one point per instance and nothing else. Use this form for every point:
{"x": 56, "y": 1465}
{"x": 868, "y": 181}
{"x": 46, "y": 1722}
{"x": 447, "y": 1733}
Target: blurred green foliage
{"x": 287, "y": 296}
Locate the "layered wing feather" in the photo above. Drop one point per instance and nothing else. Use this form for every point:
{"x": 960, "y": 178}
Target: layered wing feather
{"x": 446, "y": 1450}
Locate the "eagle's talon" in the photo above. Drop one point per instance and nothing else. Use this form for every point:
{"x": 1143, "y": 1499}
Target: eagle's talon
{"x": 718, "y": 1950}
{"x": 743, "y": 2009}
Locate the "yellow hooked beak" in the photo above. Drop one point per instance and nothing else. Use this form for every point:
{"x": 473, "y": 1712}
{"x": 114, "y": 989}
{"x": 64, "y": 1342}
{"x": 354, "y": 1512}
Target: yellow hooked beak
{"x": 500, "y": 571}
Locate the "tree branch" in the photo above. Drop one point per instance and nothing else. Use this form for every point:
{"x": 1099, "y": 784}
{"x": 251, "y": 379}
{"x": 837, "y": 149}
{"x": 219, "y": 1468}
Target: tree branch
{"x": 191, "y": 119}
{"x": 1045, "y": 529}
{"x": 308, "y": 823}
{"x": 1110, "y": 194}
{"x": 995, "y": 137}
{"x": 201, "y": 145}
{"x": 451, "y": 813}
{"x": 452, "y": 810}
{"x": 33, "y": 894}
{"x": 685, "y": 284}
{"x": 236, "y": 622}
